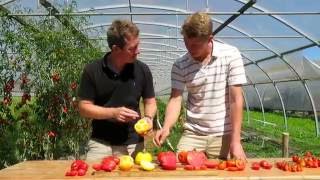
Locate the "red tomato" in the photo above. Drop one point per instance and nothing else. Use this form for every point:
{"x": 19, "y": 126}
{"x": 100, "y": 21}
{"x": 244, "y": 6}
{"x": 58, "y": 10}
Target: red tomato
{"x": 279, "y": 165}
{"x": 167, "y": 160}
{"x": 182, "y": 156}
{"x": 203, "y": 167}
{"x": 116, "y": 160}
{"x": 222, "y": 165}
{"x": 189, "y": 167}
{"x": 212, "y": 164}
{"x": 240, "y": 164}
{"x": 263, "y": 163}
{"x": 231, "y": 163}
{"x": 109, "y": 166}
{"x": 294, "y": 168}
{"x": 81, "y": 172}
{"x": 232, "y": 169}
{"x": 110, "y": 158}
{"x": 162, "y": 154}
{"x": 295, "y": 158}
{"x": 96, "y": 167}
{"x": 268, "y": 166}
{"x": 159, "y": 157}
{"x": 196, "y": 158}
{"x": 83, "y": 166}
{"x": 255, "y": 166}
{"x": 71, "y": 173}
{"x": 286, "y": 167}
{"x": 308, "y": 154}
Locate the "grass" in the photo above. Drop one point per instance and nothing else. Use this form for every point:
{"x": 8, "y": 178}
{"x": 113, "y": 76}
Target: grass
{"x": 264, "y": 140}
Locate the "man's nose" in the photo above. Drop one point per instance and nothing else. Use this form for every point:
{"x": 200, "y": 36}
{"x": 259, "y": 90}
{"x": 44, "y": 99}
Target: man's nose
{"x": 137, "y": 51}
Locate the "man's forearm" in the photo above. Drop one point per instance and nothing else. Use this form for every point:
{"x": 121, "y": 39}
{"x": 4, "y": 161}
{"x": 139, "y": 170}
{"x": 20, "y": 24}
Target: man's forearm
{"x": 150, "y": 108}
{"x": 236, "y": 117}
{"x": 95, "y": 112}
{"x": 172, "y": 112}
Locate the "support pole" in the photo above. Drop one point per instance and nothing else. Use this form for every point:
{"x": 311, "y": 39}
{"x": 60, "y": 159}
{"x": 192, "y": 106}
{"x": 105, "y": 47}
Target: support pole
{"x": 285, "y": 144}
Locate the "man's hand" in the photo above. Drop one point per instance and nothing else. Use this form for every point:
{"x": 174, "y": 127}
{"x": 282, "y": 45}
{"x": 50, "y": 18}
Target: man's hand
{"x": 236, "y": 151}
{"x": 123, "y": 114}
{"x": 161, "y": 136}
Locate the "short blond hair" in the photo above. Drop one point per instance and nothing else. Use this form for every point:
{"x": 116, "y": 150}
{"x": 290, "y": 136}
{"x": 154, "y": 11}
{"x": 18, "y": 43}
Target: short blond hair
{"x": 119, "y": 30}
{"x": 198, "y": 25}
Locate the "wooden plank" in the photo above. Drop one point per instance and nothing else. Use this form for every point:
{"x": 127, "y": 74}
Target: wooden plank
{"x": 56, "y": 170}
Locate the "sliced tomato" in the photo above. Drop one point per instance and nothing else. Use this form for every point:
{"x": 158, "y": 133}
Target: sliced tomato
{"x": 240, "y": 164}
{"x": 222, "y": 165}
{"x": 203, "y": 167}
{"x": 182, "y": 157}
{"x": 196, "y": 158}
{"x": 212, "y": 164}
{"x": 189, "y": 167}
{"x": 232, "y": 169}
{"x": 231, "y": 163}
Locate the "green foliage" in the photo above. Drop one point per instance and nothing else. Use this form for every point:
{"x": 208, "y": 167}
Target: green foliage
{"x": 265, "y": 140}
{"x": 45, "y": 59}
{"x": 176, "y": 131}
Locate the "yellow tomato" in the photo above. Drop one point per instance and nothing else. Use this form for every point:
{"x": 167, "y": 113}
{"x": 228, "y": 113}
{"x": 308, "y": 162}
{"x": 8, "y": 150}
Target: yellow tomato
{"x": 146, "y": 165}
{"x": 126, "y": 162}
{"x": 143, "y": 156}
{"x": 142, "y": 126}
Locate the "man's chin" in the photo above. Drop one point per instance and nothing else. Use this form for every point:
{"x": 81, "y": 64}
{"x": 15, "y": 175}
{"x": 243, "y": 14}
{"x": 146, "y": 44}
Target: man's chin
{"x": 196, "y": 57}
{"x": 132, "y": 60}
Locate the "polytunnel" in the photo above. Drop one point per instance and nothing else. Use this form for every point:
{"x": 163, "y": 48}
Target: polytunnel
{"x": 279, "y": 43}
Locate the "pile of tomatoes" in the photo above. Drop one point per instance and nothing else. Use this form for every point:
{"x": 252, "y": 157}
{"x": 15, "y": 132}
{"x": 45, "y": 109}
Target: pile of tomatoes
{"x": 197, "y": 160}
{"x": 308, "y": 160}
{"x": 262, "y": 164}
{"x": 78, "y": 168}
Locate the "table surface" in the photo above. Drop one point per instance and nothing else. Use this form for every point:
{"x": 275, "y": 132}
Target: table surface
{"x": 55, "y": 169}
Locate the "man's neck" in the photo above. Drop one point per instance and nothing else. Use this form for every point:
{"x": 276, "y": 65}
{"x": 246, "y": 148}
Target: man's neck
{"x": 206, "y": 58}
{"x": 116, "y": 62}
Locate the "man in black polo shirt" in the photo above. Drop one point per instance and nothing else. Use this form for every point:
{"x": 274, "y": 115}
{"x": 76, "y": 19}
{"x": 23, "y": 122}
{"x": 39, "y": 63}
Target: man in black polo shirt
{"x": 110, "y": 91}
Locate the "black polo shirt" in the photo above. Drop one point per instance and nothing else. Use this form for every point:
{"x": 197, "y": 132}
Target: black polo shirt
{"x": 109, "y": 89}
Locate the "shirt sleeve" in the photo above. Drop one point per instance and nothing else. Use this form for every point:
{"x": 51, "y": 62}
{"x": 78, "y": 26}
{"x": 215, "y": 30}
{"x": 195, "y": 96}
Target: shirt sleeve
{"x": 236, "y": 69}
{"x": 87, "y": 88}
{"x": 148, "y": 90}
{"x": 177, "y": 78}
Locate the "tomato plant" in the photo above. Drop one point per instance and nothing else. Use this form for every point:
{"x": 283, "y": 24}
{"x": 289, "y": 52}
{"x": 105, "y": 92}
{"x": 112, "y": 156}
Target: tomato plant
{"x": 40, "y": 67}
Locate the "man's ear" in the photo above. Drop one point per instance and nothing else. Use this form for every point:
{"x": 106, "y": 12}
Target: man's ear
{"x": 114, "y": 48}
{"x": 210, "y": 38}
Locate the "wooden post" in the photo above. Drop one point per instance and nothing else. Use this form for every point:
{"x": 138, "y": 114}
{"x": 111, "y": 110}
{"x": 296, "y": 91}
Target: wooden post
{"x": 285, "y": 144}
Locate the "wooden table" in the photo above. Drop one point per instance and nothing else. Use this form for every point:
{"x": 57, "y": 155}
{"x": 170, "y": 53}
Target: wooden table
{"x": 57, "y": 168}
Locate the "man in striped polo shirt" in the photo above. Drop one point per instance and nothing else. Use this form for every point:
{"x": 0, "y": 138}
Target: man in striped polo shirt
{"x": 212, "y": 73}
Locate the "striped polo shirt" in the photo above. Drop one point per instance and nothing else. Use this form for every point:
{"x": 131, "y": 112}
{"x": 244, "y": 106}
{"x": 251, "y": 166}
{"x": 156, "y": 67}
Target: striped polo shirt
{"x": 207, "y": 86}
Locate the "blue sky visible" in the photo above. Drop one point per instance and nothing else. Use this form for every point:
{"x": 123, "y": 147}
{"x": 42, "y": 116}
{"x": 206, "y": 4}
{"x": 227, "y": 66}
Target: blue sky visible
{"x": 312, "y": 53}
